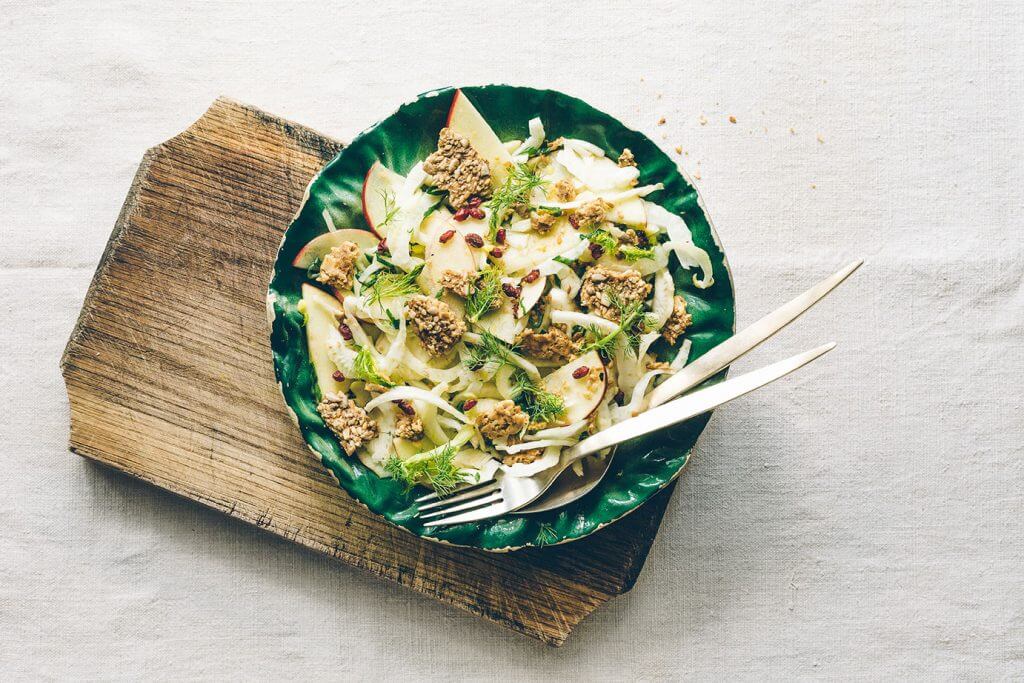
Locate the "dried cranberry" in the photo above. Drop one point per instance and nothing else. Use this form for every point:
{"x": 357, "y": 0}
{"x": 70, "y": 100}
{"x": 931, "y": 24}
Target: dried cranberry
{"x": 462, "y": 214}
{"x": 405, "y": 407}
{"x": 597, "y": 251}
{"x": 468, "y": 405}
{"x": 574, "y": 222}
{"x": 619, "y": 255}
{"x": 532, "y": 276}
{"x": 446, "y": 235}
{"x": 474, "y": 240}
{"x": 497, "y": 253}
{"x": 619, "y": 397}
{"x": 346, "y": 331}
{"x": 500, "y": 236}
{"x": 642, "y": 239}
{"x": 580, "y": 372}
{"x": 511, "y": 291}
{"x": 382, "y": 246}
{"x": 477, "y": 213}
{"x": 474, "y": 202}
{"x": 338, "y": 377}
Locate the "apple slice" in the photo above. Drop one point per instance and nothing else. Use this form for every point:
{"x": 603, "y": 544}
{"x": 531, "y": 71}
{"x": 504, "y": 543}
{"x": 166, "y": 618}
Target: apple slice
{"x": 502, "y": 323}
{"x": 405, "y": 448}
{"x": 582, "y": 395}
{"x": 321, "y": 245}
{"x": 527, "y": 250}
{"x": 464, "y": 119}
{"x": 453, "y": 254}
{"x": 630, "y": 212}
{"x": 322, "y": 310}
{"x": 380, "y": 188}
{"x": 530, "y": 295}
{"x": 482, "y": 406}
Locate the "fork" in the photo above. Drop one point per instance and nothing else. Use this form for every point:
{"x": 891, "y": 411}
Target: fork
{"x": 506, "y": 493}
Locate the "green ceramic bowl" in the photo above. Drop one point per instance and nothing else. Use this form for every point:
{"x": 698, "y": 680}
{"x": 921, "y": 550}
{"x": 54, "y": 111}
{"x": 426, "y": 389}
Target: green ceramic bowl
{"x": 640, "y": 468}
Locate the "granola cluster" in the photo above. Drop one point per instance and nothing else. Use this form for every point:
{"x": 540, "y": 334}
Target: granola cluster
{"x": 542, "y": 221}
{"x": 457, "y": 168}
{"x": 408, "y": 426}
{"x": 591, "y": 214}
{"x": 563, "y": 191}
{"x": 525, "y": 458}
{"x": 677, "y": 322}
{"x": 602, "y": 287}
{"x": 555, "y": 344}
{"x": 435, "y": 323}
{"x": 349, "y": 422}
{"x": 502, "y": 421}
{"x": 456, "y": 282}
{"x": 338, "y": 267}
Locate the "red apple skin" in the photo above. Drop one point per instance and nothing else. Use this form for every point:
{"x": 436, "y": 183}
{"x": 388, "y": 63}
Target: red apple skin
{"x": 451, "y": 109}
{"x": 302, "y": 259}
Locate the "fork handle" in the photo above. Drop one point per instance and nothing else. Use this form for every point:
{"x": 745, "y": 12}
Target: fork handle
{"x": 735, "y": 346}
{"x": 691, "y": 405}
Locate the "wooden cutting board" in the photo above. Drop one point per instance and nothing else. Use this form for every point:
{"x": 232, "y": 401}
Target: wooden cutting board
{"x": 170, "y": 380}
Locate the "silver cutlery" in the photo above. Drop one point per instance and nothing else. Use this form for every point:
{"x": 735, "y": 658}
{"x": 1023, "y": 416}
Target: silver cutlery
{"x": 735, "y": 346}
{"x": 543, "y": 492}
{"x": 506, "y": 493}
{"x": 571, "y": 487}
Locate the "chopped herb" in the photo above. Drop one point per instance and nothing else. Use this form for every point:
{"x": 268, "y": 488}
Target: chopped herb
{"x": 366, "y": 369}
{"x": 544, "y": 148}
{"x": 436, "y": 191}
{"x": 631, "y": 253}
{"x": 516, "y": 189}
{"x": 314, "y": 268}
{"x": 633, "y": 322}
{"x": 484, "y": 293}
{"x": 564, "y": 261}
{"x": 634, "y": 253}
{"x": 391, "y": 208}
{"x": 600, "y": 341}
{"x": 536, "y": 318}
{"x": 601, "y": 238}
{"x": 392, "y": 318}
{"x": 388, "y": 285}
{"x": 434, "y": 467}
{"x": 541, "y": 406}
{"x": 489, "y": 350}
{"x": 434, "y": 207}
{"x": 553, "y": 210}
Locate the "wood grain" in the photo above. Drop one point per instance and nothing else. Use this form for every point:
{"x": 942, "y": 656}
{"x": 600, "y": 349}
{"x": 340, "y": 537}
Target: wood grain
{"x": 170, "y": 380}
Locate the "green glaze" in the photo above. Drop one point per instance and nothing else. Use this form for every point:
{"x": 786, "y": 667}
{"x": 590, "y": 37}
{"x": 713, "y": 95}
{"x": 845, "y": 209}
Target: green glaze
{"x": 640, "y": 468}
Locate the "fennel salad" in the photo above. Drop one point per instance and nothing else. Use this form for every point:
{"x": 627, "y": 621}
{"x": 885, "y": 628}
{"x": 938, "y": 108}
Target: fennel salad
{"x": 501, "y": 308}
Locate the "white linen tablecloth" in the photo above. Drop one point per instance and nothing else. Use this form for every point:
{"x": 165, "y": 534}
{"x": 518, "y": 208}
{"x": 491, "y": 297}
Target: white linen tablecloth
{"x": 863, "y": 519}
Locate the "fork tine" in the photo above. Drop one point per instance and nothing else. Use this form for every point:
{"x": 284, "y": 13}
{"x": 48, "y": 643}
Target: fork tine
{"x": 493, "y": 510}
{"x": 464, "y": 489}
{"x": 490, "y": 498}
{"x": 476, "y": 492}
